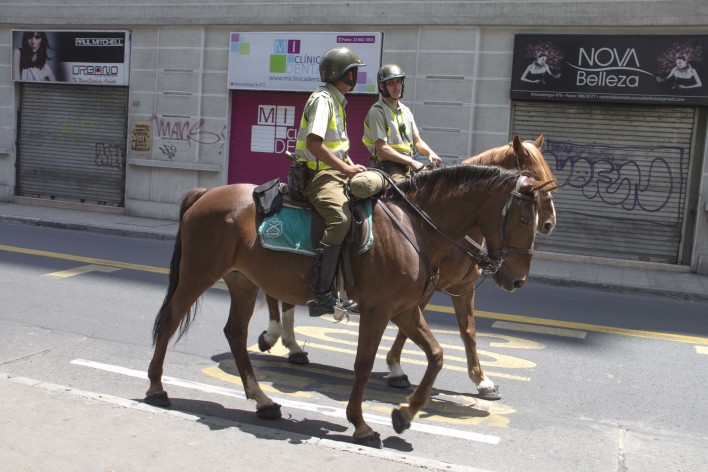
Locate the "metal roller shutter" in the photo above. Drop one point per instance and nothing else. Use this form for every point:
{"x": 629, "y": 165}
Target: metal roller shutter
{"x": 624, "y": 171}
{"x": 72, "y": 142}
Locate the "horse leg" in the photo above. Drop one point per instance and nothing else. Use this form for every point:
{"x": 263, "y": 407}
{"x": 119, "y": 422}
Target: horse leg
{"x": 396, "y": 377}
{"x": 296, "y": 355}
{"x": 371, "y": 329}
{"x": 180, "y": 302}
{"x": 464, "y": 311}
{"x": 269, "y": 337}
{"x": 243, "y": 300}
{"x": 285, "y": 331}
{"x": 413, "y": 324}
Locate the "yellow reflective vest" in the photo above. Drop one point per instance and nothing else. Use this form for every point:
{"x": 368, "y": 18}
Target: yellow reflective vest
{"x": 399, "y": 130}
{"x": 335, "y": 137}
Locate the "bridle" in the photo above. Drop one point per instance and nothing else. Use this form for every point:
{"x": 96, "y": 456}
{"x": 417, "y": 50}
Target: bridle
{"x": 490, "y": 263}
{"x": 526, "y": 146}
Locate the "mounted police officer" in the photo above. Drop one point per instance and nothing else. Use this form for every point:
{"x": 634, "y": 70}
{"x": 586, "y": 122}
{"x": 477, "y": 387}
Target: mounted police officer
{"x": 390, "y": 132}
{"x": 322, "y": 143}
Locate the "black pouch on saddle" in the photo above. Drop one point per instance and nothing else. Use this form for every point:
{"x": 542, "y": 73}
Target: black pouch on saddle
{"x": 268, "y": 197}
{"x": 298, "y": 178}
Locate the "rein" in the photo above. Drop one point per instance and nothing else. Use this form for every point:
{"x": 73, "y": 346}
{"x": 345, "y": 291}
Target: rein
{"x": 490, "y": 263}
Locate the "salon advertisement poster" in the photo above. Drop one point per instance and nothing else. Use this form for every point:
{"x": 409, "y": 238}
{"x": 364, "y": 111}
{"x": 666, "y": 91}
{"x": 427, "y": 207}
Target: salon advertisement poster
{"x": 290, "y": 61}
{"x": 77, "y": 57}
{"x": 641, "y": 69}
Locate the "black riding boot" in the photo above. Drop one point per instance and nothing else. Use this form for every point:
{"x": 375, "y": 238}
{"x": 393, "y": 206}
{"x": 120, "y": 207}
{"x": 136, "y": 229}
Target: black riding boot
{"x": 321, "y": 299}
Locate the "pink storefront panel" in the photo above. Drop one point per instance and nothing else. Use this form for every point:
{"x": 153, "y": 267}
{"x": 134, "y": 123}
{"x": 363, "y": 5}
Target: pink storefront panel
{"x": 264, "y": 125}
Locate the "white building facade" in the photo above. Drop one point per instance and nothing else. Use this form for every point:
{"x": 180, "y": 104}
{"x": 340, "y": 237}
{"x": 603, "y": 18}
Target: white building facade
{"x": 634, "y": 172}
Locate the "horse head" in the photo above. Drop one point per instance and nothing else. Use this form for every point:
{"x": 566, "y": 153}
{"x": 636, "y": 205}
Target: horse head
{"x": 504, "y": 214}
{"x": 525, "y": 156}
{"x": 510, "y": 245}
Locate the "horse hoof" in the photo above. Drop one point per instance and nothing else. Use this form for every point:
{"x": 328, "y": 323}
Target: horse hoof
{"x": 158, "y": 399}
{"x": 262, "y": 344}
{"x": 299, "y": 358}
{"x": 373, "y": 439}
{"x": 400, "y": 424}
{"x": 270, "y": 412}
{"x": 490, "y": 394}
{"x": 399, "y": 382}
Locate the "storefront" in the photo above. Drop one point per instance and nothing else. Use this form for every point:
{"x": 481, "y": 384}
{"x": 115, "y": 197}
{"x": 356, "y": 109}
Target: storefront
{"x": 624, "y": 123}
{"x": 271, "y": 75}
{"x": 72, "y": 116}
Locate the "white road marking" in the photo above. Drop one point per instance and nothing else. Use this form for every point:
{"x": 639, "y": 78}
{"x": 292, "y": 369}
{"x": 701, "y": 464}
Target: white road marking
{"x": 702, "y": 349}
{"x": 529, "y": 328}
{"x": 263, "y": 432}
{"x": 327, "y": 411}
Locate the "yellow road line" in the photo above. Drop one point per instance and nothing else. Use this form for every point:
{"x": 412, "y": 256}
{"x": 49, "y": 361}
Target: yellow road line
{"x": 87, "y": 260}
{"x": 438, "y": 308}
{"x": 528, "y": 328}
{"x": 582, "y": 326}
{"x": 82, "y": 270}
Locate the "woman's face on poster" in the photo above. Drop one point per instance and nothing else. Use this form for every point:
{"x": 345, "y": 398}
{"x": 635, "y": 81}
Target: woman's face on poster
{"x": 34, "y": 42}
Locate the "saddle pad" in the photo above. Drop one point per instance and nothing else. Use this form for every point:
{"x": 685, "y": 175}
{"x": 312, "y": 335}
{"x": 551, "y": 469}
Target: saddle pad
{"x": 289, "y": 230}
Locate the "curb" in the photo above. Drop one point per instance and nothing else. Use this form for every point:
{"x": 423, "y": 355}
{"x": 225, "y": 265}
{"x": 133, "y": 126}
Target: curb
{"x": 84, "y": 227}
{"x": 544, "y": 279}
{"x": 617, "y": 288}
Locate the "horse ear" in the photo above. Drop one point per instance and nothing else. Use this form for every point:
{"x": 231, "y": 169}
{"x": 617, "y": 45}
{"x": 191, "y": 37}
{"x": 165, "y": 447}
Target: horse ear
{"x": 530, "y": 185}
{"x": 544, "y": 185}
{"x": 539, "y": 141}
{"x": 518, "y": 147}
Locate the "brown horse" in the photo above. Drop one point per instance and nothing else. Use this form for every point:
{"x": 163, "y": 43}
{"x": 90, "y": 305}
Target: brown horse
{"x": 525, "y": 156}
{"x": 217, "y": 238}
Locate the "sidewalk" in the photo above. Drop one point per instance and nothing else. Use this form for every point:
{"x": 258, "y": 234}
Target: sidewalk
{"x": 550, "y": 268}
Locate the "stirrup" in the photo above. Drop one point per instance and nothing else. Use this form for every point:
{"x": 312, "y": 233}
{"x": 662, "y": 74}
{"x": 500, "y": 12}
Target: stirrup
{"x": 341, "y": 310}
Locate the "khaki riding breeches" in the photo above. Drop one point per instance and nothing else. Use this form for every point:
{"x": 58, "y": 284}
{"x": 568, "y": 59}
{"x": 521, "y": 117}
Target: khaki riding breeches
{"x": 398, "y": 172}
{"x": 326, "y": 194}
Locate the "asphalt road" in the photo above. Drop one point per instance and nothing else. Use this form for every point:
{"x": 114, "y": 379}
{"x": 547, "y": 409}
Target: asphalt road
{"x": 589, "y": 380}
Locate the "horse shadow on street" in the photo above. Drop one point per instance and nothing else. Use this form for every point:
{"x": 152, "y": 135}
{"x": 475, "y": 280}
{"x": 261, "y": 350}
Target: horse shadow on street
{"x": 326, "y": 385}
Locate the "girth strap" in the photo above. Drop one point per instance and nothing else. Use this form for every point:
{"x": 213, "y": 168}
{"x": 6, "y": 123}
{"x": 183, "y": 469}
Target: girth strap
{"x": 411, "y": 239}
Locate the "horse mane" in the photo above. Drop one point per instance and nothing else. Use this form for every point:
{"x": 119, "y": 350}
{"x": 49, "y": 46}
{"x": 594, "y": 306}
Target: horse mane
{"x": 451, "y": 180}
{"x": 537, "y": 165}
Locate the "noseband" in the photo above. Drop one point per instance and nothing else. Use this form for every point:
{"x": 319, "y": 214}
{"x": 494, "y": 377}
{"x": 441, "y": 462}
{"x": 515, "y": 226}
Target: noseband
{"x": 491, "y": 263}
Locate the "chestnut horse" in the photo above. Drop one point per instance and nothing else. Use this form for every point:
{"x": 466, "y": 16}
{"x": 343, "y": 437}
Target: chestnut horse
{"x": 525, "y": 156}
{"x": 217, "y": 239}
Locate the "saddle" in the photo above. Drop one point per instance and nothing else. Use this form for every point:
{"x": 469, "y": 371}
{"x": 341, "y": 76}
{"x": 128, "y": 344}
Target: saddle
{"x": 290, "y": 224}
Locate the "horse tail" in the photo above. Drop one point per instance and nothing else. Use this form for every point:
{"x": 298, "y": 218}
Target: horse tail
{"x": 189, "y": 199}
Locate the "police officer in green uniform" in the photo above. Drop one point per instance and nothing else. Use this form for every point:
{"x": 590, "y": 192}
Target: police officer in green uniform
{"x": 322, "y": 143}
{"x": 390, "y": 132}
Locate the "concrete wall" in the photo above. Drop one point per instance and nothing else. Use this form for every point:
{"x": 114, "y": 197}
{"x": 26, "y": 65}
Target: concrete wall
{"x": 376, "y": 12}
{"x": 457, "y": 56}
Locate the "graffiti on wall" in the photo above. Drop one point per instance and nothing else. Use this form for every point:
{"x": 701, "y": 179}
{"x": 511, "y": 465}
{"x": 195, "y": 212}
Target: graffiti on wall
{"x": 190, "y": 131}
{"x": 169, "y": 151}
{"x": 110, "y": 155}
{"x": 647, "y": 184}
{"x": 75, "y": 130}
